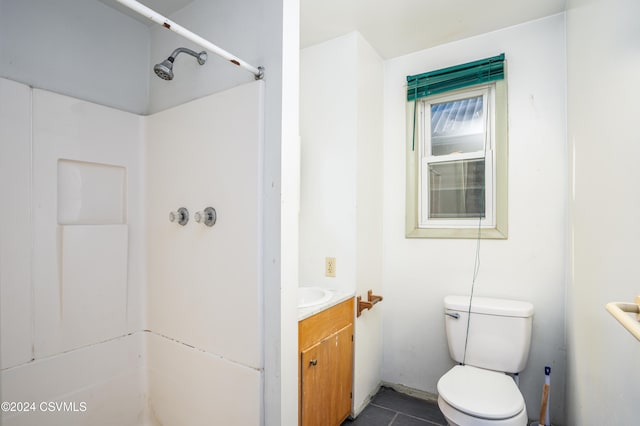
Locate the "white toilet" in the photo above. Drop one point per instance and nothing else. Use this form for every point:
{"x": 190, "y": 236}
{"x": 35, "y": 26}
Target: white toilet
{"x": 479, "y": 393}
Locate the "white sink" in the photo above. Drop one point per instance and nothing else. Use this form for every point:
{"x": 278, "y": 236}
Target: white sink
{"x": 312, "y": 296}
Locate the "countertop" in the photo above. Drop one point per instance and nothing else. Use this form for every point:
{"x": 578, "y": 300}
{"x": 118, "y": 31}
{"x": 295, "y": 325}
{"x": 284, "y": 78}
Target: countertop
{"x": 336, "y": 297}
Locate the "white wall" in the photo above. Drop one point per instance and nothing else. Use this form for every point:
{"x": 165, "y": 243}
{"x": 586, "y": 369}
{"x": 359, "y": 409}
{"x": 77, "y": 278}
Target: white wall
{"x": 341, "y": 185}
{"x": 79, "y": 48}
{"x": 603, "y": 381}
{"x": 281, "y": 206}
{"x": 204, "y": 283}
{"x": 72, "y": 294}
{"x": 368, "y": 205}
{"x": 329, "y": 132}
{"x": 531, "y": 264}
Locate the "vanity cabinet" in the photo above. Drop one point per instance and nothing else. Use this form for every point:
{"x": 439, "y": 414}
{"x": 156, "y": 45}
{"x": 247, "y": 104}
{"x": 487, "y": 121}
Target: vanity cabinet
{"x": 325, "y": 342}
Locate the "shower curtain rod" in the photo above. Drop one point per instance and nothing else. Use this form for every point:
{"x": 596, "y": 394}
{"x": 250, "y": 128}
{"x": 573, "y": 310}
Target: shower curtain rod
{"x": 207, "y": 45}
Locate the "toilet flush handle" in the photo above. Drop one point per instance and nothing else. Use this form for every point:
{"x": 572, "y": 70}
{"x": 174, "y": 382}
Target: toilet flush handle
{"x": 453, "y": 315}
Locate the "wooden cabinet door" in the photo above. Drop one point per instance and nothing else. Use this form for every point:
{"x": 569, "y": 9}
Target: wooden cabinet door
{"x": 327, "y": 377}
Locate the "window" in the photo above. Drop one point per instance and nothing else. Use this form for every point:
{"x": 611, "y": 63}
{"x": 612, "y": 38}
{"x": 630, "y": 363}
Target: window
{"x": 457, "y": 163}
{"x": 456, "y": 159}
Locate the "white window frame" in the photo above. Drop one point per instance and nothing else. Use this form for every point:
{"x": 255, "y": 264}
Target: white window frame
{"x": 455, "y": 228}
{"x": 426, "y": 158}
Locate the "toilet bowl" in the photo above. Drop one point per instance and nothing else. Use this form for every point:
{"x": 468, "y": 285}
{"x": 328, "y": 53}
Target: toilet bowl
{"x": 473, "y": 396}
{"x": 478, "y": 392}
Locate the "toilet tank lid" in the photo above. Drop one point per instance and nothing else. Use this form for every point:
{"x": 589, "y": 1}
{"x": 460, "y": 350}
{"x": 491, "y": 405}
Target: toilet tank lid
{"x": 489, "y": 306}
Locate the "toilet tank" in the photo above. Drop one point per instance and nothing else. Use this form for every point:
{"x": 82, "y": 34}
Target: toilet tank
{"x": 499, "y": 332}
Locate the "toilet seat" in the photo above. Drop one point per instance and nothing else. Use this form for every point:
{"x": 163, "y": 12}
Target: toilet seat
{"x": 458, "y": 418}
{"x": 481, "y": 393}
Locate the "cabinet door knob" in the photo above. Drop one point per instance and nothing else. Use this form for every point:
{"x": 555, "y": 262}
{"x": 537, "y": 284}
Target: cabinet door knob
{"x": 313, "y": 362}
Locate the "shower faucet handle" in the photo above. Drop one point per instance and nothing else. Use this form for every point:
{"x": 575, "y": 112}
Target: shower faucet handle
{"x": 208, "y": 216}
{"x": 181, "y": 216}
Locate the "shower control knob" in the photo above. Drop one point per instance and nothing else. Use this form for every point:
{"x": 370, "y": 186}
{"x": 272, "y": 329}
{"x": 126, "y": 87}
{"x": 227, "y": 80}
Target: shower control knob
{"x": 208, "y": 216}
{"x": 181, "y": 216}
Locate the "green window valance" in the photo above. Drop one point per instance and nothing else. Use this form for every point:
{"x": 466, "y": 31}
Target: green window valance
{"x": 456, "y": 77}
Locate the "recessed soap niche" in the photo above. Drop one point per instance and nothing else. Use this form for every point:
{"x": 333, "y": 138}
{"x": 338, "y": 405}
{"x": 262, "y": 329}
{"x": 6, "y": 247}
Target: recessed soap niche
{"x": 91, "y": 193}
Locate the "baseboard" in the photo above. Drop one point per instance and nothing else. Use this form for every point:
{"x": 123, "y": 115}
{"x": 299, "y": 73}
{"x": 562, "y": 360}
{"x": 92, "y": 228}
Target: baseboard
{"x": 427, "y": 396}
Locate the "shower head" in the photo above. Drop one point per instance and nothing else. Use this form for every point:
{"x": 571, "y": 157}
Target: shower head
{"x": 164, "y": 70}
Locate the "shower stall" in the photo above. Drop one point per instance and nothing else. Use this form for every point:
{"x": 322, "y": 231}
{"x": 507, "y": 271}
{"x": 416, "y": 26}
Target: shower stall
{"x": 111, "y": 313}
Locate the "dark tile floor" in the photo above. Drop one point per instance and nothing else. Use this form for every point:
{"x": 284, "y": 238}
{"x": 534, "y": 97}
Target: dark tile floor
{"x": 391, "y": 408}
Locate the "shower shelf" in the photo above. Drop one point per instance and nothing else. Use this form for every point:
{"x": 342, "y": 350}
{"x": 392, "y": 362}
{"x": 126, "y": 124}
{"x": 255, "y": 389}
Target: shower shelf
{"x": 620, "y": 311}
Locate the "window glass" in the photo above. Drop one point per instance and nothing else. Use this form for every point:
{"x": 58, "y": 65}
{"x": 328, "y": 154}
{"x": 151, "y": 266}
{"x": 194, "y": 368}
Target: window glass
{"x": 456, "y": 189}
{"x": 457, "y": 126}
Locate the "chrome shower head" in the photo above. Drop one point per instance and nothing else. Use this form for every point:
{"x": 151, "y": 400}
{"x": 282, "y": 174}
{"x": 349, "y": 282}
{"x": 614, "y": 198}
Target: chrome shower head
{"x": 164, "y": 70}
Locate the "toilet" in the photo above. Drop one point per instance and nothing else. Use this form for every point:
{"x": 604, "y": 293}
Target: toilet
{"x": 478, "y": 391}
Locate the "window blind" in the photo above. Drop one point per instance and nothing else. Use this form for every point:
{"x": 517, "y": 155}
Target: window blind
{"x": 456, "y": 77}
{"x": 452, "y": 78}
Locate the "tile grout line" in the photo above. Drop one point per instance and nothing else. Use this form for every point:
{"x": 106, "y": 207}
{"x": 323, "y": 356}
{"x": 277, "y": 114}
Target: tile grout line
{"x": 394, "y": 418}
{"x": 394, "y": 407}
{"x": 431, "y": 422}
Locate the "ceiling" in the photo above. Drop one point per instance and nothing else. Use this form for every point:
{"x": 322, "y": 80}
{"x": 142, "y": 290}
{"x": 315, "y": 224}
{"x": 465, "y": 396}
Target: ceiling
{"x": 396, "y": 27}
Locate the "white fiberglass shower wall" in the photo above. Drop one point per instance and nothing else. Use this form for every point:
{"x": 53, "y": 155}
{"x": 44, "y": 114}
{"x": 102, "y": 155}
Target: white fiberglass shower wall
{"x": 204, "y": 283}
{"x": 141, "y": 320}
{"x": 73, "y": 325}
{"x": 72, "y": 280}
